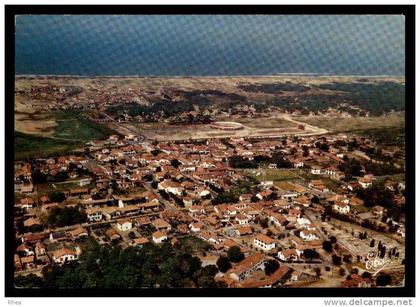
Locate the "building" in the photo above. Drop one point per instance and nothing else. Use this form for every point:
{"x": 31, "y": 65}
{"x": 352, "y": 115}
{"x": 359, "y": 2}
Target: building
{"x": 241, "y": 219}
{"x": 289, "y": 255}
{"x": 264, "y": 242}
{"x": 94, "y": 214}
{"x": 365, "y": 182}
{"x": 247, "y": 266}
{"x": 308, "y": 235}
{"x": 124, "y": 225}
{"x": 159, "y": 237}
{"x": 64, "y": 255}
{"x": 341, "y": 207}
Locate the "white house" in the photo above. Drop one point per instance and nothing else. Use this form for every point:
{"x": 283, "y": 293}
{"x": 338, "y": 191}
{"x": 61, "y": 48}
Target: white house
{"x": 159, "y": 237}
{"x": 124, "y": 225}
{"x": 289, "y": 255}
{"x": 241, "y": 219}
{"x": 170, "y": 186}
{"x": 341, "y": 207}
{"x": 63, "y": 255}
{"x": 94, "y": 214}
{"x": 196, "y": 227}
{"x": 264, "y": 242}
{"x": 365, "y": 182}
{"x": 308, "y": 235}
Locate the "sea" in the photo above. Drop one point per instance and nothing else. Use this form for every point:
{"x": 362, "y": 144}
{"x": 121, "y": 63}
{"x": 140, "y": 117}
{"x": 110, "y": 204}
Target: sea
{"x": 209, "y": 45}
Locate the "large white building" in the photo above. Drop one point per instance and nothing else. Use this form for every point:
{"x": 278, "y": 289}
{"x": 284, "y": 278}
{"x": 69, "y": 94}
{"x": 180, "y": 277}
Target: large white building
{"x": 264, "y": 243}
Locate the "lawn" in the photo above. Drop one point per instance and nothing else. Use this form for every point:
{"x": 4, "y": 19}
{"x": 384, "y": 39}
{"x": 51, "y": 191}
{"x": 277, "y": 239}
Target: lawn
{"x": 277, "y": 175}
{"x": 72, "y": 131}
{"x": 332, "y": 184}
{"x": 265, "y": 122}
{"x": 30, "y": 146}
{"x": 194, "y": 244}
{"x": 349, "y": 124}
{"x": 72, "y": 125}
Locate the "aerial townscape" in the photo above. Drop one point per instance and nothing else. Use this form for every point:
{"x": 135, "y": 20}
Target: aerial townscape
{"x": 205, "y": 182}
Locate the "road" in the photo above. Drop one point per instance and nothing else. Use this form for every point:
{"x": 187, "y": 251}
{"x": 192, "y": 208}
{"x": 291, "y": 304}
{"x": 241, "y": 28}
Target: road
{"x": 315, "y": 130}
{"x": 140, "y": 136}
{"x": 101, "y": 223}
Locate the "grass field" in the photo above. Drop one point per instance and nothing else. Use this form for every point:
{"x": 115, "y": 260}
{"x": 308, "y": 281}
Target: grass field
{"x": 194, "y": 244}
{"x": 332, "y": 184}
{"x": 284, "y": 185}
{"x": 72, "y": 132}
{"x": 265, "y": 122}
{"x": 30, "y": 146}
{"x": 344, "y": 124}
{"x": 276, "y": 175}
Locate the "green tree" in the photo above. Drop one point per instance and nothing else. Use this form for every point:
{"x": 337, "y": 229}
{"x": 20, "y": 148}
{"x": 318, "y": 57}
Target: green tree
{"x": 223, "y": 264}
{"x": 235, "y": 254}
{"x": 271, "y": 266}
{"x": 56, "y": 197}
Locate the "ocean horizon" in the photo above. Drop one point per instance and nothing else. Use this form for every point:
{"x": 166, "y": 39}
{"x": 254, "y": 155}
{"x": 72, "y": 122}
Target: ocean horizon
{"x": 209, "y": 45}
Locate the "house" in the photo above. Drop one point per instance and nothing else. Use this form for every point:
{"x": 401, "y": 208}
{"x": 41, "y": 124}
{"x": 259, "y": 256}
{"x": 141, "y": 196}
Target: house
{"x": 202, "y": 192}
{"x": 295, "y": 276}
{"x": 246, "y": 198}
{"x": 140, "y": 241}
{"x": 295, "y": 213}
{"x": 78, "y": 233}
{"x": 142, "y": 221}
{"x": 27, "y": 188}
{"x": 32, "y": 221}
{"x": 196, "y": 209}
{"x": 264, "y": 194}
{"x": 58, "y": 236}
{"x": 124, "y": 224}
{"x": 288, "y": 195}
{"x": 356, "y": 281}
{"x": 365, "y": 182}
{"x": 18, "y": 264}
{"x": 319, "y": 186}
{"x": 94, "y": 214}
{"x": 289, "y": 255}
{"x": 247, "y": 266}
{"x": 277, "y": 218}
{"x": 401, "y": 231}
{"x": 378, "y": 210}
{"x": 341, "y": 207}
{"x": 188, "y": 201}
{"x": 308, "y": 235}
{"x": 264, "y": 242}
{"x": 170, "y": 186}
{"x": 63, "y": 255}
{"x": 159, "y": 237}
{"x": 302, "y": 201}
{"x": 23, "y": 248}
{"x": 161, "y": 224}
{"x": 231, "y": 210}
{"x": 241, "y": 219}
{"x": 196, "y": 227}
{"x": 27, "y": 203}
{"x": 28, "y": 262}
{"x": 40, "y": 249}
{"x": 112, "y": 234}
{"x": 244, "y": 230}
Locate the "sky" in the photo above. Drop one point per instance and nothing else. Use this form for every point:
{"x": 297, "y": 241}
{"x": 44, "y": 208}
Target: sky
{"x": 181, "y": 45}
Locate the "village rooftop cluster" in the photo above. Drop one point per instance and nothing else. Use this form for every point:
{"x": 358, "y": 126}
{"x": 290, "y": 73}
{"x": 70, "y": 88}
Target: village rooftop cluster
{"x": 311, "y": 230}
